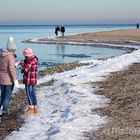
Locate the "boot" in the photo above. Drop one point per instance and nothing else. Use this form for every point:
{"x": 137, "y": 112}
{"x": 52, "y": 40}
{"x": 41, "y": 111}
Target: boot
{"x": 35, "y": 109}
{"x": 30, "y": 110}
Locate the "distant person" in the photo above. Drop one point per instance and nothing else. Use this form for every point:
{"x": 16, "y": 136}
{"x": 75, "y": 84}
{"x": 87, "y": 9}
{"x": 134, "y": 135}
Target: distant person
{"x": 29, "y": 70}
{"x": 57, "y": 28}
{"x": 7, "y": 74}
{"x": 62, "y": 29}
{"x": 137, "y": 25}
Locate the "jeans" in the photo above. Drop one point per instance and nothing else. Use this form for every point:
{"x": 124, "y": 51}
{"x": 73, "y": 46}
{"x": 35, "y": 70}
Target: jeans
{"x": 6, "y": 93}
{"x": 30, "y": 91}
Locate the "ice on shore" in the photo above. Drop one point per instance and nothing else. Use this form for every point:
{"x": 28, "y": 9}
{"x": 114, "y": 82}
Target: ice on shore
{"x": 66, "y": 106}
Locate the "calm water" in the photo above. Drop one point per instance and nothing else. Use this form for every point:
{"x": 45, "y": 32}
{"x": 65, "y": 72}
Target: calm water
{"x": 58, "y": 53}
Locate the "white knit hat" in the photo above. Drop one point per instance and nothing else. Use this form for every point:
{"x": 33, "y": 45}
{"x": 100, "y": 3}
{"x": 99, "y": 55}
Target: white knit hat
{"x": 11, "y": 46}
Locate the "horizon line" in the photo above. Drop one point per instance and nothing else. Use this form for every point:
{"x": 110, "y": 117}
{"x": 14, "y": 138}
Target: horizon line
{"x": 68, "y": 24}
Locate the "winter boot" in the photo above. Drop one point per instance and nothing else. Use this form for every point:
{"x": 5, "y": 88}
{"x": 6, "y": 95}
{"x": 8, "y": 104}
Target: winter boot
{"x": 35, "y": 109}
{"x": 30, "y": 110}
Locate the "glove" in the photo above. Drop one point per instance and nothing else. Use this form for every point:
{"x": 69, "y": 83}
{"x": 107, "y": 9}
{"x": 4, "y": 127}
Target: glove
{"x": 16, "y": 84}
{"x": 16, "y": 64}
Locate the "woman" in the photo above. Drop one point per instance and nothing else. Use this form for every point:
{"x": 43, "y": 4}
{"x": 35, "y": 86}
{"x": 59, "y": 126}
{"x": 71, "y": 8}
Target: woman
{"x": 29, "y": 70}
{"x": 7, "y": 74}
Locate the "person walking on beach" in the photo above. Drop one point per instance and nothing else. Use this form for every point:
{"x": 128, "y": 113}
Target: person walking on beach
{"x": 29, "y": 70}
{"x": 62, "y": 29}
{"x": 57, "y": 28}
{"x": 7, "y": 74}
{"x": 137, "y": 25}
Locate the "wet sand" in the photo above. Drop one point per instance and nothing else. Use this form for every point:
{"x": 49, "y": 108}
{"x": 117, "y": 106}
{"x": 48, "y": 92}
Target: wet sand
{"x": 122, "y": 88}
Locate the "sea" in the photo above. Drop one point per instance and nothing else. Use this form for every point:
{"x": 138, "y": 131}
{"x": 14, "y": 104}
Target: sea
{"x": 53, "y": 54}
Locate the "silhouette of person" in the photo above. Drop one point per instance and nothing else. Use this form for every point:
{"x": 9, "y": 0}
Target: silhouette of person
{"x": 62, "y": 30}
{"x": 137, "y": 25}
{"x": 57, "y": 28}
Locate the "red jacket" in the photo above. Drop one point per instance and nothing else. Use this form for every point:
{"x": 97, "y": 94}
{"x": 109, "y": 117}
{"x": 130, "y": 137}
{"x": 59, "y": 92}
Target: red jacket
{"x": 29, "y": 69}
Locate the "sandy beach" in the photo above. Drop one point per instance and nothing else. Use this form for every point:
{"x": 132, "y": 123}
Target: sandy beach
{"x": 124, "y": 36}
{"x": 122, "y": 88}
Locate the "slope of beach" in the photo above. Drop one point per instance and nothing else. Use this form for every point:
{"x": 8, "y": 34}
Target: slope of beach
{"x": 121, "y": 87}
{"x": 124, "y": 91}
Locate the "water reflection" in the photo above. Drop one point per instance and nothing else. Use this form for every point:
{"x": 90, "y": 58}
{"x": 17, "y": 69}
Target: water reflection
{"x": 60, "y": 50}
{"x": 64, "y": 55}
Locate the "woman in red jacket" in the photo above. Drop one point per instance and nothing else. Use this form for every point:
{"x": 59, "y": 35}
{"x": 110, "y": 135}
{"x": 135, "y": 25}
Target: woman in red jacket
{"x": 29, "y": 69}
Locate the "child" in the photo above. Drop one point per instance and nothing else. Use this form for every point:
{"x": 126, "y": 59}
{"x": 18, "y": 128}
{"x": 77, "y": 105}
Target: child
{"x": 29, "y": 70}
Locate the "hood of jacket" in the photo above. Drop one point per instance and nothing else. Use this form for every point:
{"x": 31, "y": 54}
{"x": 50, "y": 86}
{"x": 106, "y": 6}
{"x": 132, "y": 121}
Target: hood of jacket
{"x": 4, "y": 53}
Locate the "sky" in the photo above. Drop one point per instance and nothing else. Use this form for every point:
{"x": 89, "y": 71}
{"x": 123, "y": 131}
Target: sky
{"x": 69, "y": 11}
{"x": 66, "y": 107}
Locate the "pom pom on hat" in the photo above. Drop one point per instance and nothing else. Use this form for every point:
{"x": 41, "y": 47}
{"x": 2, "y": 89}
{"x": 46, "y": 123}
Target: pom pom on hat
{"x": 28, "y": 52}
{"x": 11, "y": 46}
{"x": 11, "y": 38}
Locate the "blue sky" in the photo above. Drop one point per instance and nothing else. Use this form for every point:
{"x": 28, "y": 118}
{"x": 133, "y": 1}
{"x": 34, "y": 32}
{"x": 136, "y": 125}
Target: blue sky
{"x": 69, "y": 11}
